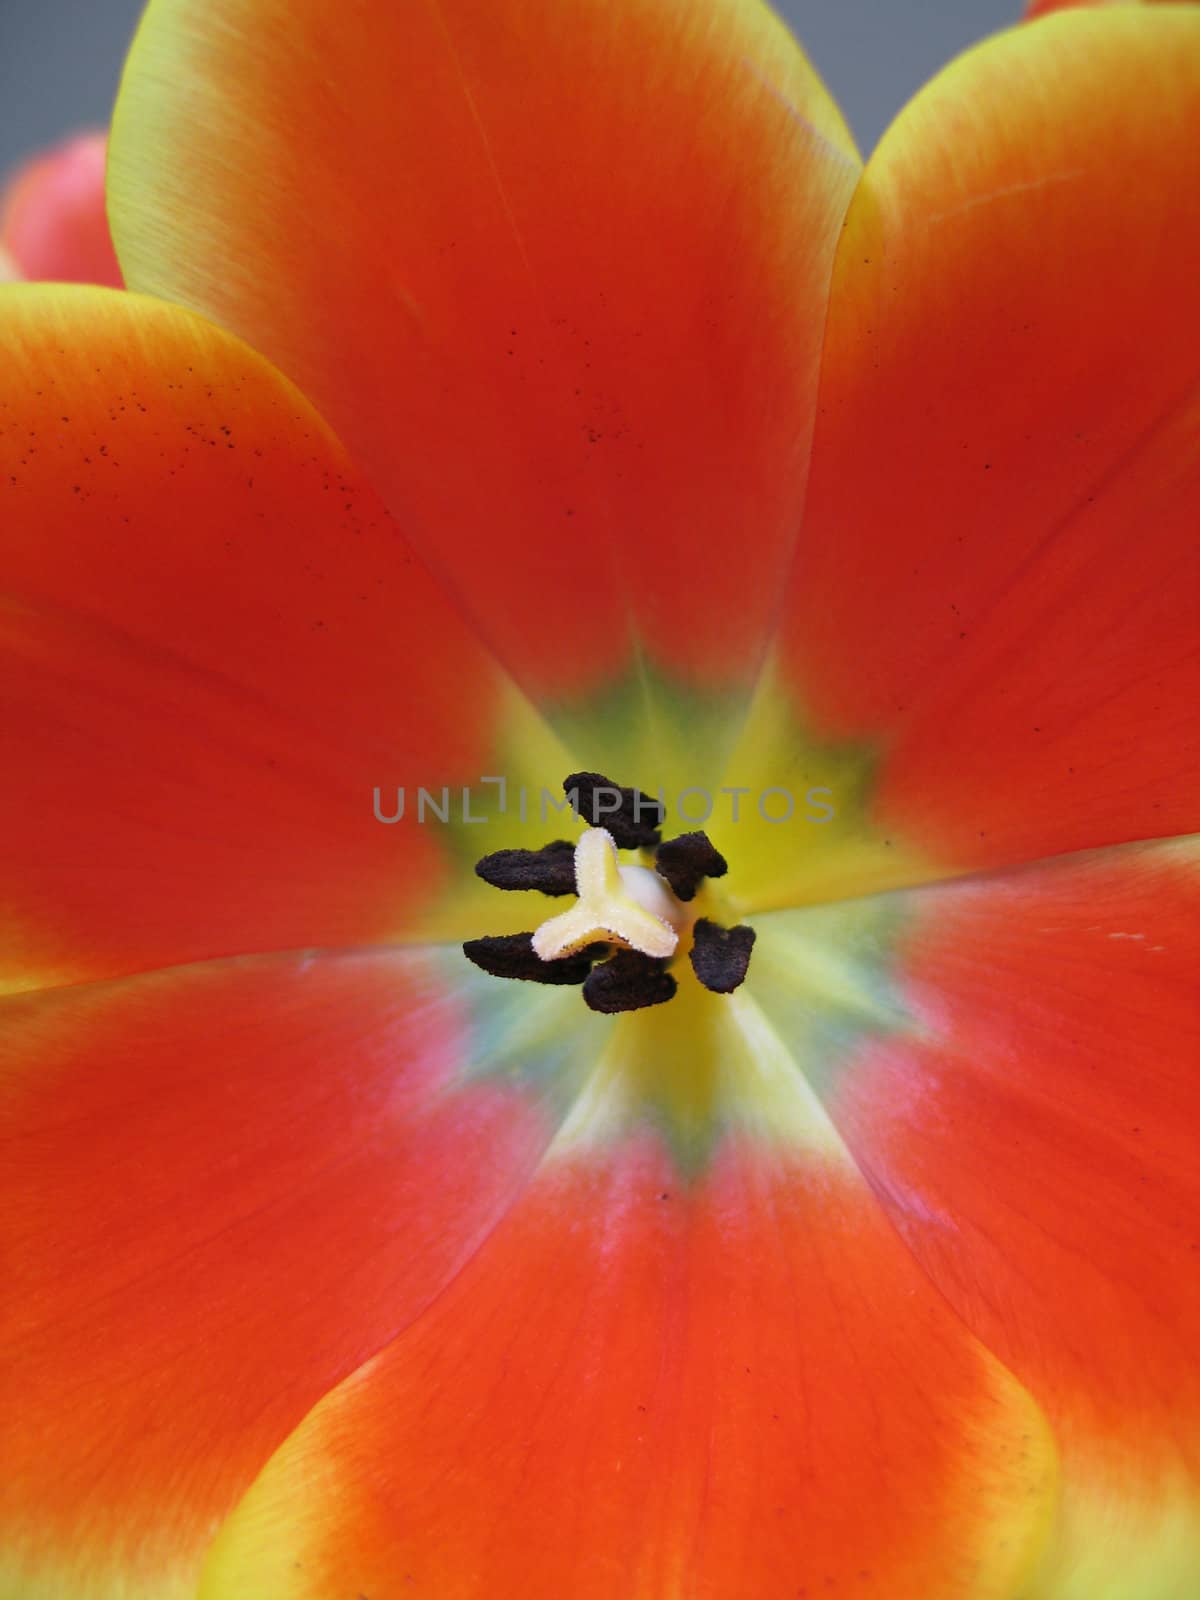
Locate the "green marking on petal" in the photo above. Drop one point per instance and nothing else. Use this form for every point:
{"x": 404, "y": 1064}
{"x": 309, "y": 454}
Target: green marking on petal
{"x": 654, "y": 731}
{"x": 538, "y": 1039}
{"x": 823, "y": 975}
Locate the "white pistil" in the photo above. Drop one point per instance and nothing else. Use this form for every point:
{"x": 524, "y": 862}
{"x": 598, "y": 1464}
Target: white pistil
{"x": 628, "y": 906}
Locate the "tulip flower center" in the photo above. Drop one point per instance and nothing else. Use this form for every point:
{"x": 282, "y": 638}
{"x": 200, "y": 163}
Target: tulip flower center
{"x": 630, "y": 920}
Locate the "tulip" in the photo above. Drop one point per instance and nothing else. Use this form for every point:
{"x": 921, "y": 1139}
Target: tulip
{"x": 52, "y": 218}
{"x": 774, "y": 1174}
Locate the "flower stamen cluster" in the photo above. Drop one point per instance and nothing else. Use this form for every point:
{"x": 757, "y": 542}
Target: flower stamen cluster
{"x": 629, "y": 920}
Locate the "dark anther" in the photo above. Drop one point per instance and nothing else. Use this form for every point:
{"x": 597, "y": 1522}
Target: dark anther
{"x": 550, "y": 869}
{"x": 720, "y": 956}
{"x": 633, "y": 818}
{"x": 628, "y": 982}
{"x": 686, "y": 861}
{"x": 511, "y": 955}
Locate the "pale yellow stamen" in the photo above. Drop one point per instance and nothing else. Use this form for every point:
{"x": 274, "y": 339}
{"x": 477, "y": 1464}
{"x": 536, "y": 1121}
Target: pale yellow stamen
{"x": 629, "y": 906}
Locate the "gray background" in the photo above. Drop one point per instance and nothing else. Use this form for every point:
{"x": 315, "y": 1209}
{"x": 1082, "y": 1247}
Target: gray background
{"x": 60, "y": 59}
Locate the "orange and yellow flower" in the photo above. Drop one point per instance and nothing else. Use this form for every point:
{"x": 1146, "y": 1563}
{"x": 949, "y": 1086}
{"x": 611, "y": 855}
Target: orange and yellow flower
{"x": 514, "y": 389}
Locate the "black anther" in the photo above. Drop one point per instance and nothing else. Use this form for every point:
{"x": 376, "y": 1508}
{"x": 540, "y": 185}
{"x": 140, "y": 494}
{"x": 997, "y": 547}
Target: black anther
{"x": 633, "y": 818}
{"x": 511, "y": 955}
{"x": 628, "y": 981}
{"x": 550, "y": 869}
{"x": 686, "y": 861}
{"x": 720, "y": 956}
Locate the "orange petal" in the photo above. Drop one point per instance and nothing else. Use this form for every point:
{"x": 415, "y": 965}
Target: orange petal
{"x": 216, "y": 643}
{"x": 999, "y": 571}
{"x": 640, "y": 1386}
{"x": 556, "y": 271}
{"x": 1036, "y": 1147}
{"x": 52, "y": 218}
{"x": 224, "y": 1188}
